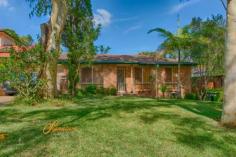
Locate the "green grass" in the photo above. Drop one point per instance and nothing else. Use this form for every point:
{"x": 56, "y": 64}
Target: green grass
{"x": 117, "y": 127}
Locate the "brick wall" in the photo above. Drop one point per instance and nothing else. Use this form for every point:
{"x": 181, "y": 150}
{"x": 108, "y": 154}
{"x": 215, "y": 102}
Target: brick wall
{"x": 108, "y": 74}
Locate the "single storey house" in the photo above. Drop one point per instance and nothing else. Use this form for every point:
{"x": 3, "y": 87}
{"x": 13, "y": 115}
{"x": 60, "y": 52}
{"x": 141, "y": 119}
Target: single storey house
{"x": 130, "y": 74}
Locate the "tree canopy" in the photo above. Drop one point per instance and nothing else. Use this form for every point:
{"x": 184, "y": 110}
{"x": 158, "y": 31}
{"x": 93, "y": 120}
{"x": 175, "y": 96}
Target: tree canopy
{"x": 78, "y": 36}
{"x": 201, "y": 41}
{"x": 208, "y": 44}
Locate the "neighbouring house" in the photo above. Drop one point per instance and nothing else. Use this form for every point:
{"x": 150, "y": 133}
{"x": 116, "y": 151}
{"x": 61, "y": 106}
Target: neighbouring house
{"x": 6, "y": 42}
{"x": 138, "y": 75}
{"x": 203, "y": 81}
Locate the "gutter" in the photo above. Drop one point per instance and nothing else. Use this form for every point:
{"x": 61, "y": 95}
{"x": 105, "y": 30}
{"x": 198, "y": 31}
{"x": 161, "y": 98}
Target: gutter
{"x": 130, "y": 63}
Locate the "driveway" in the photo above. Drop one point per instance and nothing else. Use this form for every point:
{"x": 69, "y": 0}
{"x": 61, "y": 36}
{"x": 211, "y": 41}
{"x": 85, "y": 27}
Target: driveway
{"x": 6, "y": 99}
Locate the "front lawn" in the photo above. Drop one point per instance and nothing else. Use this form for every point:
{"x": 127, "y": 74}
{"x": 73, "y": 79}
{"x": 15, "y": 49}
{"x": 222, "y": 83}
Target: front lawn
{"x": 116, "y": 127}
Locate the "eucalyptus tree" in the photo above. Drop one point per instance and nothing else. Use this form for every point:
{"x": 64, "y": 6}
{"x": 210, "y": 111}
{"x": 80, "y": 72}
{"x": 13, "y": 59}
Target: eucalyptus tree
{"x": 174, "y": 43}
{"x": 79, "y": 36}
{"x": 50, "y": 37}
{"x": 229, "y": 109}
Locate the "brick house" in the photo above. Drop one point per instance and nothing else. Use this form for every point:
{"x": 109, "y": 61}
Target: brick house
{"x": 201, "y": 80}
{"x": 6, "y": 41}
{"x": 138, "y": 75}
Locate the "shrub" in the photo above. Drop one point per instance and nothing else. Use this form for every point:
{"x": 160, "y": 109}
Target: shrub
{"x": 106, "y": 91}
{"x": 112, "y": 91}
{"x": 90, "y": 90}
{"x": 80, "y": 93}
{"x": 163, "y": 90}
{"x": 23, "y": 71}
{"x": 101, "y": 91}
{"x": 191, "y": 96}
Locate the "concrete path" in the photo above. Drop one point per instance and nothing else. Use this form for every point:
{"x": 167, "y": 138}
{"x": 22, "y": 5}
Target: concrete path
{"x": 6, "y": 99}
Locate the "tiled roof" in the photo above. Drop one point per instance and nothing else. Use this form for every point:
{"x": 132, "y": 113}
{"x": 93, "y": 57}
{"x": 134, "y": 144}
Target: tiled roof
{"x": 130, "y": 59}
{"x": 4, "y": 31}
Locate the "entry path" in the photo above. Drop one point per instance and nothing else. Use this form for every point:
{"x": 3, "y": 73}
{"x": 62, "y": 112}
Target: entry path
{"x": 6, "y": 99}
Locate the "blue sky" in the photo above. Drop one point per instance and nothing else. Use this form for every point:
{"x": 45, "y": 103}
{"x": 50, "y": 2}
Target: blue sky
{"x": 125, "y": 22}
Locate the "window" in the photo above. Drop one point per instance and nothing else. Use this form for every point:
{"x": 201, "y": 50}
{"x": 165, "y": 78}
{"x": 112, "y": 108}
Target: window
{"x": 86, "y": 75}
{"x": 142, "y": 75}
{"x": 97, "y": 75}
{"x": 6, "y": 42}
{"x": 168, "y": 74}
{"x": 146, "y": 75}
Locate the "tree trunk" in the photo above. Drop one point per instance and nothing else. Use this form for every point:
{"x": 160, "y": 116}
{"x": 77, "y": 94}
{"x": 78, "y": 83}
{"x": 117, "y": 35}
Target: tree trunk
{"x": 229, "y": 109}
{"x": 51, "y": 39}
{"x": 74, "y": 82}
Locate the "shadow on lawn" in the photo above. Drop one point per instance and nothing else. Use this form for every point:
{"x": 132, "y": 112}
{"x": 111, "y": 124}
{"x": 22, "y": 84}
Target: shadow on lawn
{"x": 203, "y": 140}
{"x": 194, "y": 132}
{"x": 9, "y": 116}
{"x": 94, "y": 109}
{"x": 211, "y": 110}
{"x": 23, "y": 139}
{"x": 199, "y": 135}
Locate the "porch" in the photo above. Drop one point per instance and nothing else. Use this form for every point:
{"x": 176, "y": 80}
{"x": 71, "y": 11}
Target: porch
{"x": 134, "y": 75}
{"x": 129, "y": 79}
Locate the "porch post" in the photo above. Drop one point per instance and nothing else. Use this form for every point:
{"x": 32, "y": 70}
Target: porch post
{"x": 92, "y": 74}
{"x": 156, "y": 82}
{"x": 132, "y": 79}
{"x": 142, "y": 79}
{"x": 156, "y": 69}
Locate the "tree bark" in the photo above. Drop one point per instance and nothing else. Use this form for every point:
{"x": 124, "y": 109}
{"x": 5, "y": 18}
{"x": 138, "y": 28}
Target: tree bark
{"x": 229, "y": 108}
{"x": 51, "y": 39}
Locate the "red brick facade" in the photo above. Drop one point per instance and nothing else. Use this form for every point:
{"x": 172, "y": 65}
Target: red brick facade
{"x": 137, "y": 79}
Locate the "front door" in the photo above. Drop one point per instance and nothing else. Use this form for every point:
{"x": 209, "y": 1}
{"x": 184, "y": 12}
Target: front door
{"x": 121, "y": 79}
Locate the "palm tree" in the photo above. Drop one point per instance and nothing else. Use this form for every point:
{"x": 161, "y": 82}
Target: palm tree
{"x": 173, "y": 43}
{"x": 229, "y": 109}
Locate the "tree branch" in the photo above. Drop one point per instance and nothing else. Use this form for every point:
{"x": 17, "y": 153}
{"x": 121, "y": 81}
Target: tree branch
{"x": 224, "y": 5}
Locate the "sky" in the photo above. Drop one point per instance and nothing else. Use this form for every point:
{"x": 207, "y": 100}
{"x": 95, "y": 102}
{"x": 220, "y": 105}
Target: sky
{"x": 125, "y": 23}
